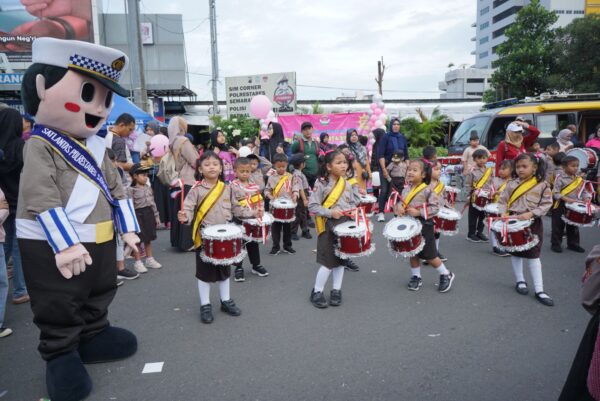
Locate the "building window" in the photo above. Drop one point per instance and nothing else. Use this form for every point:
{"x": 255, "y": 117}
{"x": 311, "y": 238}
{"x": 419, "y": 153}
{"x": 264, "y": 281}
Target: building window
{"x": 475, "y": 80}
{"x": 475, "y": 93}
{"x": 483, "y": 40}
{"x": 484, "y": 25}
{"x": 506, "y": 13}
{"x": 559, "y": 11}
{"x": 500, "y": 31}
{"x": 498, "y": 3}
{"x": 484, "y": 10}
{"x": 483, "y": 54}
{"x": 569, "y": 11}
{"x": 495, "y": 49}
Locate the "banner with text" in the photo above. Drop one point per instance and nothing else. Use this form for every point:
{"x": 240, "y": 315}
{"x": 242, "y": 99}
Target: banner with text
{"x": 280, "y": 88}
{"x": 334, "y": 124}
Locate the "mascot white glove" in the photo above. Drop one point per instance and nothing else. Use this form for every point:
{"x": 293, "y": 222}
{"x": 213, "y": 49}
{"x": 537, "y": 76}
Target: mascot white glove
{"x": 131, "y": 239}
{"x": 73, "y": 260}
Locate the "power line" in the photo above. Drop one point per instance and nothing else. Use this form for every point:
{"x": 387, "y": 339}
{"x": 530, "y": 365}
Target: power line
{"x": 368, "y": 90}
{"x": 165, "y": 16}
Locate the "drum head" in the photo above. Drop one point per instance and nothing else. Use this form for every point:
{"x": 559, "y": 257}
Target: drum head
{"x": 368, "y": 199}
{"x": 578, "y": 207}
{"x": 581, "y": 155}
{"x": 513, "y": 225}
{"x": 484, "y": 193}
{"x": 349, "y": 228}
{"x": 267, "y": 220}
{"x": 448, "y": 214}
{"x": 492, "y": 208}
{"x": 402, "y": 228}
{"x": 281, "y": 203}
{"x": 222, "y": 231}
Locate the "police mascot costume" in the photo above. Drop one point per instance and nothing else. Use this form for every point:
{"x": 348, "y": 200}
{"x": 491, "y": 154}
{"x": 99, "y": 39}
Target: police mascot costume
{"x": 71, "y": 206}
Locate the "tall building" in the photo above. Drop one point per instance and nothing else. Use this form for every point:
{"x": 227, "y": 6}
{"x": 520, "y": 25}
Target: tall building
{"x": 495, "y": 16}
{"x": 465, "y": 83}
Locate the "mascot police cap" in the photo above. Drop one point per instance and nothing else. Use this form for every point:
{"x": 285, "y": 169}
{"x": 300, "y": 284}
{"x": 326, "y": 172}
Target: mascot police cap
{"x": 104, "y": 64}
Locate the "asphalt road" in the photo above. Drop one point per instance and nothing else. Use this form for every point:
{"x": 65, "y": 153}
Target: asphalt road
{"x": 481, "y": 341}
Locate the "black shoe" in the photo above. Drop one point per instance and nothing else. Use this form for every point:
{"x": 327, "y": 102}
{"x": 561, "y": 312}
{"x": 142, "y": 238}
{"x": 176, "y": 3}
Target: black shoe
{"x": 445, "y": 282}
{"x": 473, "y": 238}
{"x": 483, "y": 237}
{"x": 499, "y": 252}
{"x": 127, "y": 274}
{"x": 260, "y": 271}
{"x": 306, "y": 234}
{"x": 67, "y": 378}
{"x": 230, "y": 308}
{"x": 521, "y": 288}
{"x": 111, "y": 344}
{"x": 335, "y": 298}
{"x": 238, "y": 274}
{"x": 350, "y": 265}
{"x": 310, "y": 223}
{"x": 442, "y": 257}
{"x": 206, "y": 315}
{"x": 544, "y": 300}
{"x": 318, "y": 299}
{"x": 274, "y": 251}
{"x": 295, "y": 237}
{"x": 576, "y": 248}
{"x": 415, "y": 283}
{"x": 289, "y": 249}
{"x": 556, "y": 248}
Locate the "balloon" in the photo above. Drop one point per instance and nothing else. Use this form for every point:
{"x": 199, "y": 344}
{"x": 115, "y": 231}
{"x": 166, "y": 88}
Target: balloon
{"x": 377, "y": 111}
{"x": 159, "y": 145}
{"x": 263, "y": 127}
{"x": 377, "y": 98}
{"x": 373, "y": 106}
{"x": 373, "y": 118}
{"x": 381, "y": 105}
{"x": 378, "y": 124}
{"x": 383, "y": 116}
{"x": 260, "y": 105}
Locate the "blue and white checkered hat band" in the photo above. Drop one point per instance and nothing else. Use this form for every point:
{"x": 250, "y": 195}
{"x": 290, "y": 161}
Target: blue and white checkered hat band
{"x": 86, "y": 63}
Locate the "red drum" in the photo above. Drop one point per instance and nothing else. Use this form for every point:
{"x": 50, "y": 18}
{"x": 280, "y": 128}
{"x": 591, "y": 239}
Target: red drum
{"x": 352, "y": 240}
{"x": 404, "y": 236}
{"x": 451, "y": 193}
{"x": 253, "y": 229}
{"x": 518, "y": 235}
{"x": 588, "y": 158}
{"x": 284, "y": 210}
{"x": 482, "y": 198}
{"x": 491, "y": 210}
{"x": 222, "y": 244}
{"x": 576, "y": 214}
{"x": 367, "y": 201}
{"x": 446, "y": 221}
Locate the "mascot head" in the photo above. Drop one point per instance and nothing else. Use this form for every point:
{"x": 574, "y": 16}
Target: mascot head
{"x": 70, "y": 84}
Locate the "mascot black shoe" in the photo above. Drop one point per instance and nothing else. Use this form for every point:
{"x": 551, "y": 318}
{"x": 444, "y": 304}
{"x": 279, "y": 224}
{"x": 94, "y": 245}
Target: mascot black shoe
{"x": 71, "y": 207}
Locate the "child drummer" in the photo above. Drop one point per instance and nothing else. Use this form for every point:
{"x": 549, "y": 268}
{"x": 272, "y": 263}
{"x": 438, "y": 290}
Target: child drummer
{"x": 528, "y": 197}
{"x": 281, "y": 185}
{"x": 478, "y": 180}
{"x": 209, "y": 203}
{"x": 499, "y": 185}
{"x": 421, "y": 202}
{"x": 568, "y": 188}
{"x": 248, "y": 196}
{"x": 439, "y": 189}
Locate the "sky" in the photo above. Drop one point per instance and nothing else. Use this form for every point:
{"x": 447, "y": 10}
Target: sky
{"x": 328, "y": 43}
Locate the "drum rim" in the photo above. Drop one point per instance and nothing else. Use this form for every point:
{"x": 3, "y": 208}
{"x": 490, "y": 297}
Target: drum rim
{"x": 266, "y": 216}
{"x": 362, "y": 227}
{"x": 509, "y": 228}
{"x": 457, "y": 214}
{"x": 277, "y": 204}
{"x": 395, "y": 221}
{"x": 206, "y": 235}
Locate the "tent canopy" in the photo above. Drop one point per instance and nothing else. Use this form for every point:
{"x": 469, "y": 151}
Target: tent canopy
{"x": 123, "y": 105}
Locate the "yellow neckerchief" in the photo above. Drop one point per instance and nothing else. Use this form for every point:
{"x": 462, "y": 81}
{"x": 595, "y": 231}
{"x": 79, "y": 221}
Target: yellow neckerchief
{"x": 484, "y": 178}
{"x": 209, "y": 200}
{"x": 499, "y": 191}
{"x": 521, "y": 190}
{"x": 352, "y": 181}
{"x": 284, "y": 178}
{"x": 254, "y": 199}
{"x": 568, "y": 189}
{"x": 330, "y": 200}
{"x": 413, "y": 192}
{"x": 439, "y": 188}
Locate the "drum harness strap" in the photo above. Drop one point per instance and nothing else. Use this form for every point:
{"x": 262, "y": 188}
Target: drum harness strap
{"x": 330, "y": 200}
{"x": 395, "y": 197}
{"x": 209, "y": 200}
{"x": 568, "y": 189}
{"x": 482, "y": 181}
{"x": 284, "y": 180}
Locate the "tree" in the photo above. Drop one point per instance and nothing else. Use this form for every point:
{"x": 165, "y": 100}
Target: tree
{"x": 578, "y": 56}
{"x": 429, "y": 130}
{"x": 526, "y": 58}
{"x": 489, "y": 96}
{"x": 316, "y": 108}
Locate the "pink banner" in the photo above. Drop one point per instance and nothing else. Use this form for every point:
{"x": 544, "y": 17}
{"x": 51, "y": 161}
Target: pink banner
{"x": 334, "y": 124}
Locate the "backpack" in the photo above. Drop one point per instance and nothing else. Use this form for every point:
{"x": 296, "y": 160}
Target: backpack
{"x": 167, "y": 167}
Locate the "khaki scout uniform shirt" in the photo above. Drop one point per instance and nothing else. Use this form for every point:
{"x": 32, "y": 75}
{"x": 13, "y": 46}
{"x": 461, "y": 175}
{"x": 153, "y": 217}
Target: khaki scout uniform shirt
{"x": 283, "y": 194}
{"x": 538, "y": 200}
{"x": 348, "y": 200}
{"x": 426, "y": 195}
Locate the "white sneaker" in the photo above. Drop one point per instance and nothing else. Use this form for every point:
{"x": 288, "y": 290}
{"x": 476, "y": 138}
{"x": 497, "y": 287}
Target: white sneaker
{"x": 152, "y": 263}
{"x": 139, "y": 267}
{"x": 380, "y": 217}
{"x": 5, "y": 332}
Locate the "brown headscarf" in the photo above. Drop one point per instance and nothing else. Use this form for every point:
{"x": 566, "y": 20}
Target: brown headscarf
{"x": 514, "y": 138}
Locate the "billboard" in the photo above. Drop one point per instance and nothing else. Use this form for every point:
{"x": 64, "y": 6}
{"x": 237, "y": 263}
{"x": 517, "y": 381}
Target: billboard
{"x": 21, "y": 24}
{"x": 334, "y": 124}
{"x": 279, "y": 87}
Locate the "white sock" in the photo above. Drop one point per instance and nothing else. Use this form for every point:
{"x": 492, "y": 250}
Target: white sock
{"x": 517, "y": 265}
{"x": 437, "y": 244}
{"x": 204, "y": 290}
{"x": 441, "y": 269}
{"x": 493, "y": 241}
{"x": 338, "y": 276}
{"x": 224, "y": 290}
{"x": 535, "y": 268}
{"x": 416, "y": 271}
{"x": 321, "y": 280}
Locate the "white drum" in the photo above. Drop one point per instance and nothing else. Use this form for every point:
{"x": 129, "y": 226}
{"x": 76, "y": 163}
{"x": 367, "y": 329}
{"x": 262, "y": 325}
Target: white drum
{"x": 492, "y": 210}
{"x": 222, "y": 244}
{"x": 446, "y": 221}
{"x": 404, "y": 236}
{"x": 481, "y": 199}
{"x": 367, "y": 201}
{"x": 577, "y": 214}
{"x": 284, "y": 210}
{"x": 451, "y": 194}
{"x": 253, "y": 228}
{"x": 352, "y": 241}
{"x": 518, "y": 238}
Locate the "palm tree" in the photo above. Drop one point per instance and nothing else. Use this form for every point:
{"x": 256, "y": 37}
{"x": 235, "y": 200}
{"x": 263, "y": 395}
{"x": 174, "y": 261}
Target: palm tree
{"x": 429, "y": 130}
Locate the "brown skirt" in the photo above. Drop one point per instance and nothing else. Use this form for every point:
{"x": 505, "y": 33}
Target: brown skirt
{"x": 210, "y": 273}
{"x": 147, "y": 222}
{"x": 429, "y": 250}
{"x": 326, "y": 244}
{"x": 537, "y": 228}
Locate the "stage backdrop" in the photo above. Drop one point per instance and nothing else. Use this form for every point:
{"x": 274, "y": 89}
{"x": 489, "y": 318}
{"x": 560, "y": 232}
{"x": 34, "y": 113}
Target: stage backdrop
{"x": 334, "y": 124}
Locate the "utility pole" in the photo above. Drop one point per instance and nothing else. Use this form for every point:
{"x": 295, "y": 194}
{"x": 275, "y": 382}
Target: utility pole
{"x": 214, "y": 54}
{"x": 138, "y": 79}
{"x": 380, "y": 71}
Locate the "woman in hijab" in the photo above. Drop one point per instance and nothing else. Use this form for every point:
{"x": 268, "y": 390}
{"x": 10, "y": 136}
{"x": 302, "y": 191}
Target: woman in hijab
{"x": 324, "y": 145}
{"x": 361, "y": 164}
{"x": 276, "y": 137}
{"x": 564, "y": 139}
{"x": 228, "y": 154}
{"x": 514, "y": 142}
{"x": 185, "y": 156}
{"x": 12, "y": 143}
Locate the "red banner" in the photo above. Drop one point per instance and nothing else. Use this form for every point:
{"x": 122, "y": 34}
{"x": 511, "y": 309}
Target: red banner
{"x": 334, "y": 124}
